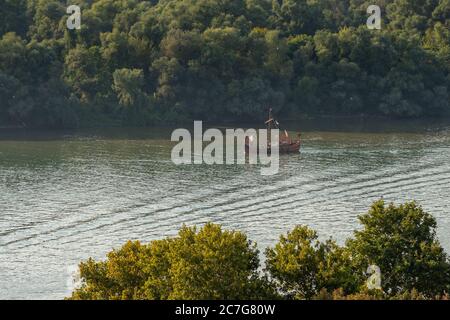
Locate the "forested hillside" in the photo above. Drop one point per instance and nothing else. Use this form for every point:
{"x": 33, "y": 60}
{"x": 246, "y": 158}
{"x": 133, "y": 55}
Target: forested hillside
{"x": 145, "y": 62}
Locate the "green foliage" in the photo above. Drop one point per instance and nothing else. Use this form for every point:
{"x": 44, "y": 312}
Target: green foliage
{"x": 376, "y": 295}
{"x": 216, "y": 59}
{"x": 128, "y": 85}
{"x": 84, "y": 72}
{"x": 303, "y": 266}
{"x": 14, "y": 16}
{"x": 401, "y": 240}
{"x": 206, "y": 264}
{"x": 211, "y": 263}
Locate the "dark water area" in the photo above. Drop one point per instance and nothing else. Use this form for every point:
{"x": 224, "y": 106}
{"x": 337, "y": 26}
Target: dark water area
{"x": 66, "y": 196}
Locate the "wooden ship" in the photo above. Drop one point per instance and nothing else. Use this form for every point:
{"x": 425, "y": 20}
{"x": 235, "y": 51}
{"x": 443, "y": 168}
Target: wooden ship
{"x": 287, "y": 145}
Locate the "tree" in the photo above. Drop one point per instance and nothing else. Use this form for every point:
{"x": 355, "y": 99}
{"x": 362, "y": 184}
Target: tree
{"x": 401, "y": 241}
{"x": 9, "y": 87}
{"x": 302, "y": 57}
{"x": 85, "y": 72}
{"x": 13, "y": 55}
{"x": 438, "y": 40}
{"x": 211, "y": 263}
{"x": 303, "y": 266}
{"x": 128, "y": 85}
{"x": 182, "y": 45}
{"x": 296, "y": 16}
{"x": 47, "y": 19}
{"x": 14, "y": 18}
{"x": 208, "y": 263}
{"x": 214, "y": 264}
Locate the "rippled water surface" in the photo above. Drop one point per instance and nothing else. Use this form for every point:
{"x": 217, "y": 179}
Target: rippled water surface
{"x": 67, "y": 197}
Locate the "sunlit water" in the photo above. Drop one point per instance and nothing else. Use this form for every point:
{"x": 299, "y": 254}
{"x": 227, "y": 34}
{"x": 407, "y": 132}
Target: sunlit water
{"x": 67, "y": 197}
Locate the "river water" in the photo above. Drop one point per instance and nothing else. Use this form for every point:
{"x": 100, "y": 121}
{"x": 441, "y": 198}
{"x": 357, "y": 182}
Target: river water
{"x": 68, "y": 196}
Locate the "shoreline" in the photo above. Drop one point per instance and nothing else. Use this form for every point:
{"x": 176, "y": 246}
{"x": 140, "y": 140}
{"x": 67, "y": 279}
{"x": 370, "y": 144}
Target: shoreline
{"x": 323, "y": 123}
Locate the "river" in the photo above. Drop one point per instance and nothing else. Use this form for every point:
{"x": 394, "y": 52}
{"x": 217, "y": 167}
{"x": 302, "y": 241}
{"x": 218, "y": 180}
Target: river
{"x": 68, "y": 196}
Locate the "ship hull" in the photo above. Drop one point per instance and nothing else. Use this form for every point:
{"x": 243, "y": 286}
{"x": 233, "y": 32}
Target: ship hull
{"x": 285, "y": 148}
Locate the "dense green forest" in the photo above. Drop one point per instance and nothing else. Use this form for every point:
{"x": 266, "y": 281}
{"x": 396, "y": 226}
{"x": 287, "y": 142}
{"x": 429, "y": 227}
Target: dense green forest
{"x": 145, "y": 62}
{"x": 212, "y": 263}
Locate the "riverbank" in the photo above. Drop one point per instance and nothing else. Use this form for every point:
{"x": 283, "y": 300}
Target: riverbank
{"x": 363, "y": 124}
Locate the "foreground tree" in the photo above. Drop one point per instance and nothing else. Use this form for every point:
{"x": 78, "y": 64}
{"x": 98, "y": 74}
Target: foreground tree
{"x": 211, "y": 263}
{"x": 206, "y": 264}
{"x": 302, "y": 266}
{"x": 401, "y": 240}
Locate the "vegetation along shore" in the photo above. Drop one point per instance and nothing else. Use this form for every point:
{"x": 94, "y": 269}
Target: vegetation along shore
{"x": 151, "y": 62}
